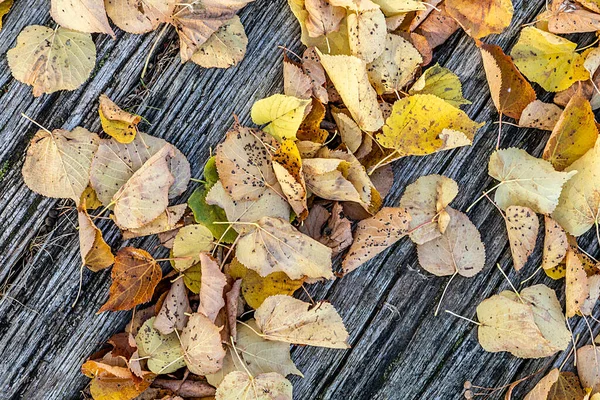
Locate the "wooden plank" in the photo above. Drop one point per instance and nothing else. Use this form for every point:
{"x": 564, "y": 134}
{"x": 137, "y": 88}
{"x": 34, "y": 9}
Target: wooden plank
{"x": 400, "y": 350}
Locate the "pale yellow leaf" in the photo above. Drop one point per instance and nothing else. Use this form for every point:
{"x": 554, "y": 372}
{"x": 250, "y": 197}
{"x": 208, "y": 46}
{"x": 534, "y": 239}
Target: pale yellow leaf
{"x": 190, "y": 242}
{"x": 201, "y": 345}
{"x": 81, "y": 15}
{"x": 224, "y": 48}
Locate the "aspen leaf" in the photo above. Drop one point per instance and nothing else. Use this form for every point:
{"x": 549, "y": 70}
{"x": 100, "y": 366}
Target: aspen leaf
{"x": 113, "y": 165}
{"x": 573, "y": 135}
{"x": 287, "y": 165}
{"x": 239, "y": 385}
{"x": 213, "y": 283}
{"x": 256, "y": 288}
{"x": 395, "y": 66}
{"x": 587, "y": 367}
{"x": 459, "y": 250}
{"x": 555, "y": 244}
{"x": 440, "y": 82}
{"x": 349, "y": 76}
{"x": 296, "y": 83}
{"x": 244, "y": 163}
{"x": 81, "y": 15}
{"x": 52, "y": 59}
{"x": 163, "y": 352}
{"x": 540, "y": 115}
{"x": 549, "y": 60}
{"x": 134, "y": 277}
{"x": 576, "y": 282}
{"x": 526, "y": 181}
{"x": 172, "y": 315}
{"x": 323, "y": 18}
{"x": 58, "y": 163}
{"x": 95, "y": 253}
{"x": 282, "y": 113}
{"x": 375, "y": 234}
{"x": 522, "y": 226}
{"x": 417, "y": 123}
{"x": 482, "y": 18}
{"x": 117, "y": 123}
{"x": 139, "y": 16}
{"x": 568, "y": 17}
{"x": 367, "y": 34}
{"x": 201, "y": 344}
{"x": 5, "y": 6}
{"x": 224, "y": 48}
{"x": 168, "y": 220}
{"x": 286, "y": 319}
{"x": 423, "y": 200}
{"x": 275, "y": 245}
{"x": 145, "y": 196}
{"x": 189, "y": 244}
{"x": 510, "y": 91}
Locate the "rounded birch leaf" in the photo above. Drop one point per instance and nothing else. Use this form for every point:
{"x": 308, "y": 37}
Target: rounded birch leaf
{"x": 458, "y": 250}
{"x": 296, "y": 82}
{"x": 349, "y": 132}
{"x": 287, "y": 165}
{"x": 163, "y": 352}
{"x": 286, "y": 319}
{"x": 5, "y": 6}
{"x": 282, "y": 113}
{"x": 239, "y": 385}
{"x": 172, "y": 315}
{"x": 114, "y": 163}
{"x": 542, "y": 388}
{"x": 201, "y": 344}
{"x": 482, "y": 18}
{"x": 58, "y": 163}
{"x": 52, "y": 59}
{"x": 323, "y": 18}
{"x": 440, "y": 82}
{"x": 540, "y": 115}
{"x": 593, "y": 294}
{"x": 145, "y": 196}
{"x": 95, "y": 253}
{"x": 139, "y": 16}
{"x": 81, "y": 15}
{"x": 170, "y": 219}
{"x": 587, "y": 367}
{"x": 522, "y": 226}
{"x": 367, "y": 33}
{"x": 224, "y": 48}
{"x": 117, "y": 123}
{"x": 212, "y": 284}
{"x": 576, "y": 282}
{"x": 275, "y": 245}
{"x": 555, "y": 244}
{"x": 190, "y": 242}
{"x": 526, "y": 181}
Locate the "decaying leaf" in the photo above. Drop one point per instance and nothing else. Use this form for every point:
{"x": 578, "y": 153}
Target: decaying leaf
{"x": 52, "y": 59}
{"x": 58, "y": 163}
{"x": 282, "y": 113}
{"x": 211, "y": 288}
{"x": 458, "y": 250}
{"x": 522, "y": 226}
{"x": 224, "y": 48}
{"x": 540, "y": 115}
{"x": 311, "y": 65}
{"x": 168, "y": 220}
{"x": 549, "y": 60}
{"x": 134, "y": 277}
{"x": 172, "y": 315}
{"x": 189, "y": 244}
{"x": 239, "y": 385}
{"x": 113, "y": 381}
{"x": 593, "y": 295}
{"x": 163, "y": 352}
{"x": 323, "y": 18}
{"x": 440, "y": 82}
{"x": 296, "y": 83}
{"x": 116, "y": 122}
{"x": 588, "y": 368}
{"x": 81, "y": 15}
{"x": 576, "y": 282}
{"x": 95, "y": 253}
{"x": 201, "y": 344}
{"x": 558, "y": 385}
{"x": 139, "y": 16}
{"x": 287, "y": 165}
{"x": 482, "y": 18}
{"x": 564, "y": 16}
{"x": 526, "y": 181}
{"x": 555, "y": 244}
{"x": 286, "y": 319}
{"x": 275, "y": 245}
{"x": 367, "y": 34}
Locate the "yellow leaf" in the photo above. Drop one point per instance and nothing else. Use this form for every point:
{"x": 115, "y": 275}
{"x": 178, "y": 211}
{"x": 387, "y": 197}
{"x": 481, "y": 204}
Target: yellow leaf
{"x": 367, "y": 34}
{"x": 224, "y": 48}
{"x": 556, "y": 272}
{"x": 52, "y": 59}
{"x": 269, "y": 386}
{"x": 139, "y": 16}
{"x": 440, "y": 82}
{"x": 576, "y": 284}
{"x": 90, "y": 198}
{"x": 5, "y": 6}
{"x": 540, "y": 115}
{"x": 163, "y": 352}
{"x": 201, "y": 344}
{"x": 189, "y": 244}
{"x": 323, "y": 17}
{"x": 549, "y": 60}
{"x": 418, "y": 122}
{"x": 95, "y": 253}
{"x": 483, "y": 17}
{"x": 555, "y": 245}
{"x": 81, "y": 15}
{"x": 522, "y": 226}
{"x": 282, "y": 113}
{"x": 287, "y": 165}
{"x": 117, "y": 123}
{"x": 310, "y": 129}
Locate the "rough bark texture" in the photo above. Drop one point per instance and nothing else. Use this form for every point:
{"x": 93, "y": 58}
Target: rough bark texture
{"x": 399, "y": 349}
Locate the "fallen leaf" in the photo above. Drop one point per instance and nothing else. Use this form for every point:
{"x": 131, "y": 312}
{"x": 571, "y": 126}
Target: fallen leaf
{"x": 52, "y": 59}
{"x": 172, "y": 315}
{"x": 543, "y": 387}
{"x": 558, "y": 385}
{"x": 440, "y": 82}
{"x": 593, "y": 294}
{"x": 139, "y": 16}
{"x": 526, "y": 181}
{"x": 437, "y": 27}
{"x": 275, "y": 245}
{"x": 482, "y": 18}
{"x": 201, "y": 344}
{"x": 192, "y": 277}
{"x": 224, "y": 48}
{"x": 323, "y": 18}
{"x": 549, "y": 60}
{"x": 207, "y": 214}
{"x": 95, "y": 253}
{"x": 233, "y": 307}
{"x": 189, "y": 244}
{"x": 113, "y": 382}
{"x": 576, "y": 282}
{"x": 522, "y": 226}
{"x": 117, "y": 123}
{"x": 564, "y": 16}
{"x": 170, "y": 219}
{"x": 270, "y": 386}
{"x": 287, "y": 165}
{"x": 349, "y": 131}
{"x": 555, "y": 244}
{"x": 91, "y": 200}
{"x": 162, "y": 352}
{"x": 282, "y": 113}
{"x": 184, "y": 388}
{"x": 540, "y": 115}
{"x": 459, "y": 250}
{"x": 134, "y": 277}
{"x": 588, "y": 368}
{"x": 310, "y": 128}
{"x": 296, "y": 83}
{"x": 5, "y": 6}
{"x": 213, "y": 283}
{"x": 81, "y": 15}
{"x": 286, "y": 319}
{"x": 311, "y": 65}
{"x": 58, "y": 163}
{"x": 367, "y": 34}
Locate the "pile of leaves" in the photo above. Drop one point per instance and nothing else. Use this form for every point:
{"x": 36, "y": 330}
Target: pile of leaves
{"x": 279, "y": 201}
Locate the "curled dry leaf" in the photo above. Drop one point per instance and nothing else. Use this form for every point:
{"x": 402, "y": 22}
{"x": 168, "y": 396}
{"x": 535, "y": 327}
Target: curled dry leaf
{"x": 58, "y": 162}
{"x": 211, "y": 288}
{"x": 184, "y": 388}
{"x": 482, "y": 18}
{"x": 117, "y": 123}
{"x": 567, "y": 17}
{"x": 337, "y": 233}
{"x": 139, "y": 16}
{"x": 52, "y": 59}
{"x": 312, "y": 67}
{"x": 170, "y": 219}
{"x": 549, "y": 60}
{"x": 522, "y": 226}
{"x": 526, "y": 181}
{"x": 189, "y": 244}
{"x": 540, "y": 115}
{"x": 422, "y": 124}
{"x": 440, "y": 82}
{"x": 282, "y": 113}
{"x": 172, "y": 315}
{"x": 162, "y": 352}
{"x": 134, "y": 277}
{"x": 576, "y": 282}
{"x": 233, "y": 307}
{"x": 287, "y": 165}
{"x": 224, "y": 48}
{"x": 375, "y": 234}
{"x": 555, "y": 244}
{"x": 201, "y": 345}
{"x": 110, "y": 381}
{"x": 275, "y": 245}
{"x": 573, "y": 135}
{"x": 286, "y": 319}
{"x": 367, "y": 31}
{"x": 239, "y": 385}
{"x": 458, "y": 250}
{"x": 295, "y": 82}
{"x": 95, "y": 253}
{"x": 81, "y": 15}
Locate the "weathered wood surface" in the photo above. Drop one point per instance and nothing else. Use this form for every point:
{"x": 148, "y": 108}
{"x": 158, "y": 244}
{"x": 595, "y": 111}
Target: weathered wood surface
{"x": 399, "y": 349}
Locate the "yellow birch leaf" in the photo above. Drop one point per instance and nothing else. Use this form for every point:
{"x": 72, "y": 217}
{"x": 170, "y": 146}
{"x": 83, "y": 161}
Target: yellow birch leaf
{"x": 139, "y": 16}
{"x": 201, "y": 344}
{"x": 576, "y": 284}
{"x": 90, "y": 198}
{"x": 522, "y": 226}
{"x": 162, "y": 352}
{"x": 117, "y": 123}
{"x": 81, "y": 15}
{"x": 555, "y": 244}
{"x": 5, "y": 6}
{"x": 540, "y": 115}
{"x": 224, "y": 48}
{"x": 440, "y": 82}
{"x": 287, "y": 165}
{"x": 483, "y": 17}
{"x": 282, "y": 113}
{"x": 367, "y": 33}
{"x": 95, "y": 253}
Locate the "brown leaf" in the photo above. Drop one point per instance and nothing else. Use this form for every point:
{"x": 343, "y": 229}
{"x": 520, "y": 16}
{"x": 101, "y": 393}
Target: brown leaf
{"x": 323, "y": 18}
{"x": 540, "y": 115}
{"x": 564, "y": 16}
{"x": 95, "y": 253}
{"x": 295, "y": 82}
{"x": 185, "y": 388}
{"x": 437, "y": 28}
{"x": 232, "y": 298}
{"x": 313, "y": 68}
{"x": 588, "y": 367}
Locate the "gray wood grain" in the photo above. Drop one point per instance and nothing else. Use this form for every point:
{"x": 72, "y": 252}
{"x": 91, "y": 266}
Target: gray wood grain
{"x": 399, "y": 349}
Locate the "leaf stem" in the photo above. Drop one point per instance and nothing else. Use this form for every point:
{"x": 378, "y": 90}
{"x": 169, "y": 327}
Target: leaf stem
{"x": 465, "y": 318}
